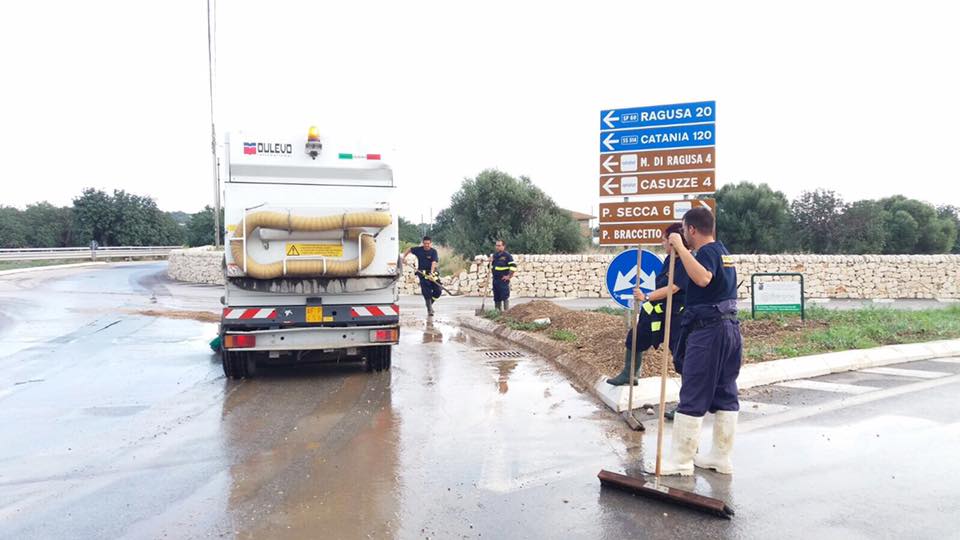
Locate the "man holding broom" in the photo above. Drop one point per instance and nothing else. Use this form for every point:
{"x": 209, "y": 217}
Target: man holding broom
{"x": 709, "y": 349}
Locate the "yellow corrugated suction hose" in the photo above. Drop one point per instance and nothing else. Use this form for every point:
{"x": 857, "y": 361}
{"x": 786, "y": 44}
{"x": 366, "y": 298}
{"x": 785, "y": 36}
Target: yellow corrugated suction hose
{"x": 310, "y": 268}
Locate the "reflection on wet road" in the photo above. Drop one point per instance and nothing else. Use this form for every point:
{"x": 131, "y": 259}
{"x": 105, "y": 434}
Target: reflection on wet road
{"x": 116, "y": 424}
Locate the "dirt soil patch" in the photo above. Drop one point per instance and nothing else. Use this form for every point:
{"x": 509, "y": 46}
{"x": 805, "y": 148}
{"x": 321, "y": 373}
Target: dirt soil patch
{"x": 202, "y": 316}
{"x": 600, "y": 336}
{"x": 599, "y": 340}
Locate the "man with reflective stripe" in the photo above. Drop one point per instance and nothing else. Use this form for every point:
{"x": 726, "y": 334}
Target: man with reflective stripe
{"x": 503, "y": 269}
{"x": 710, "y": 347}
{"x": 652, "y": 310}
{"x": 427, "y": 261}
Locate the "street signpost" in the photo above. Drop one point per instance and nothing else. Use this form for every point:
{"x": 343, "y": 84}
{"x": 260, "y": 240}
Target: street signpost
{"x": 644, "y": 151}
{"x": 649, "y": 151}
{"x": 631, "y": 234}
{"x": 623, "y": 274}
{"x": 651, "y": 211}
{"x": 658, "y": 115}
{"x": 659, "y": 160}
{"x": 657, "y": 138}
{"x": 668, "y": 183}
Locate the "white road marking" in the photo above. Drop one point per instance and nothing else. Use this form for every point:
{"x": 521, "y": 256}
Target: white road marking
{"x": 946, "y": 360}
{"x": 914, "y": 373}
{"x": 828, "y": 387}
{"x": 800, "y": 413}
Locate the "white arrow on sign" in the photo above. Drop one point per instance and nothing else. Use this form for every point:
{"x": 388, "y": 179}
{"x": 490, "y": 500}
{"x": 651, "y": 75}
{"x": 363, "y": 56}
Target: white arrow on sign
{"x": 610, "y": 187}
{"x": 607, "y": 162}
{"x": 609, "y": 140}
{"x": 626, "y": 281}
{"x": 609, "y": 119}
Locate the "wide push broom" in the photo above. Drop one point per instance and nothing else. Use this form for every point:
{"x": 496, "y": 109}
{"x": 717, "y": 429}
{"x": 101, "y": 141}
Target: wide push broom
{"x": 654, "y": 488}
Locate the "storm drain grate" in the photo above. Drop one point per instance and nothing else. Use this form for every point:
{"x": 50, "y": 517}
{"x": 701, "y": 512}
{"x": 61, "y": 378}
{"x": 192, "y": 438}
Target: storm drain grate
{"x": 503, "y": 354}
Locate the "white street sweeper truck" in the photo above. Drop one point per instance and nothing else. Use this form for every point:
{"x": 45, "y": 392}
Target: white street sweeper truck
{"x": 311, "y": 255}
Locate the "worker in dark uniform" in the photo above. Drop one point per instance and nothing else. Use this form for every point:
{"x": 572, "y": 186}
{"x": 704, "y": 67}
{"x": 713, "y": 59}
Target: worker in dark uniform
{"x": 710, "y": 347}
{"x": 652, "y": 314}
{"x": 503, "y": 267}
{"x": 427, "y": 261}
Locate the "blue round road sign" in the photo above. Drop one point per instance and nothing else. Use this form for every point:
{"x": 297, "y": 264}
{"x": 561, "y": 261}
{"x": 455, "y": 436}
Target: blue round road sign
{"x": 622, "y": 274}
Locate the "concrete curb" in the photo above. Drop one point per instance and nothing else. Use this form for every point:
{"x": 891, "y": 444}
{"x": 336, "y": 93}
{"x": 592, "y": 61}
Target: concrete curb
{"x": 774, "y": 371}
{"x": 51, "y": 267}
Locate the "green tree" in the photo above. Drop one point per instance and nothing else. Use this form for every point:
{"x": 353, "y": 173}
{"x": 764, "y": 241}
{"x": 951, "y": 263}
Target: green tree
{"x": 124, "y": 219}
{"x": 48, "y": 225}
{"x": 816, "y": 218}
{"x": 93, "y": 211}
{"x": 13, "y": 230}
{"x": 951, "y": 213}
{"x": 903, "y": 231}
{"x": 201, "y": 226}
{"x": 753, "y": 219}
{"x": 863, "y": 228}
{"x": 496, "y": 205}
{"x": 934, "y": 233}
{"x": 409, "y": 233}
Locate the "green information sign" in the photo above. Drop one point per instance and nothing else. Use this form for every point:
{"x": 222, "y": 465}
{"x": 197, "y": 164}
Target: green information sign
{"x": 782, "y": 296}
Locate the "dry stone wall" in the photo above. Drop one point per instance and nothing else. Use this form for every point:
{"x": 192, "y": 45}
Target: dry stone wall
{"x": 582, "y": 276}
{"x": 825, "y": 276}
{"x": 196, "y": 265}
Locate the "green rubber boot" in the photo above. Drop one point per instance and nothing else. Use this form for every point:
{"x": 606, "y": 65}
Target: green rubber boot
{"x": 624, "y": 377}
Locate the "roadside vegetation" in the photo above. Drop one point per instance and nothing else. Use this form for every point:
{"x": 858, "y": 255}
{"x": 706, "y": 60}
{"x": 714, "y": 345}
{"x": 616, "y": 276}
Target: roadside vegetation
{"x": 15, "y": 265}
{"x": 598, "y": 335}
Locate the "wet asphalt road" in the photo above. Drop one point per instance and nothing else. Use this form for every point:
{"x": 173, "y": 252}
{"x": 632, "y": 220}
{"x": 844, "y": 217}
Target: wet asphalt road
{"x": 117, "y": 424}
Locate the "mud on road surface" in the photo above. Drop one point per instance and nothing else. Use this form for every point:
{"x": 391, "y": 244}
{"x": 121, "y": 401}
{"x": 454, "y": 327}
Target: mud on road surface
{"x": 119, "y": 424}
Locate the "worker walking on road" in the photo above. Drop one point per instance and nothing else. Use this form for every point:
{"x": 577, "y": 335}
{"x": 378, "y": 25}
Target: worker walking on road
{"x": 709, "y": 349}
{"x": 653, "y": 308}
{"x": 427, "y": 261}
{"x": 503, "y": 269}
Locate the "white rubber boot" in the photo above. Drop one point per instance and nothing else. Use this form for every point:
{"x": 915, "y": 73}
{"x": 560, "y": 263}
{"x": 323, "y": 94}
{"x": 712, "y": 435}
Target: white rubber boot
{"x": 686, "y": 437}
{"x": 719, "y": 457}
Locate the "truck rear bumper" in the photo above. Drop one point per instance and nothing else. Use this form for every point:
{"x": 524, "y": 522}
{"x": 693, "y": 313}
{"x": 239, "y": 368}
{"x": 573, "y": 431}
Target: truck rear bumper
{"x": 304, "y": 339}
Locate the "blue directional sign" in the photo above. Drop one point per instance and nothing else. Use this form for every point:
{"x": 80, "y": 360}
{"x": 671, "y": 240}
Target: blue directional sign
{"x": 660, "y": 137}
{"x": 622, "y": 275}
{"x": 659, "y": 115}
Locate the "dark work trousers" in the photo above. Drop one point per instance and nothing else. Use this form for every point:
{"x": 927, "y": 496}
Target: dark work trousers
{"x": 501, "y": 290}
{"x": 430, "y": 290}
{"x": 711, "y": 364}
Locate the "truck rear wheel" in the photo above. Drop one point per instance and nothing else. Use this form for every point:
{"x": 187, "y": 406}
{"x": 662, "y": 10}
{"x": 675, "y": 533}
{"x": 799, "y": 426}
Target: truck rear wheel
{"x": 237, "y": 365}
{"x": 379, "y": 358}
{"x": 386, "y": 356}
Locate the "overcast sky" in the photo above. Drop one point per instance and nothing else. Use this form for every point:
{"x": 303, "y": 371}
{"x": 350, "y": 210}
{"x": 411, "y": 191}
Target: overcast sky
{"x": 859, "y": 97}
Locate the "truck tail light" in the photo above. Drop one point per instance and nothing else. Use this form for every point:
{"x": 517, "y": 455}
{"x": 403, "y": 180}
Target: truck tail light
{"x": 383, "y": 336}
{"x": 242, "y": 341}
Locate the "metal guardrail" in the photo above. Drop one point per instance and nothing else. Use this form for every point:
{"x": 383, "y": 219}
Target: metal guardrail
{"x": 118, "y": 252}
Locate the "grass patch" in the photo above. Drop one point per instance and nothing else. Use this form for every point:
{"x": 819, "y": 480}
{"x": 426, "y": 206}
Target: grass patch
{"x": 563, "y": 335}
{"x": 618, "y": 312}
{"x": 15, "y": 265}
{"x": 492, "y": 314}
{"x": 840, "y": 330}
{"x": 498, "y": 317}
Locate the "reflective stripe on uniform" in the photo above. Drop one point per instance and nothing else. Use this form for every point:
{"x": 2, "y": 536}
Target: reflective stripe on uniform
{"x": 501, "y": 268}
{"x": 659, "y": 308}
{"x": 655, "y": 326}
{"x": 648, "y": 307}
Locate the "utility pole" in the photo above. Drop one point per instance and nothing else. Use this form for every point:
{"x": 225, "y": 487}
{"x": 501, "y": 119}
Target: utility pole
{"x": 211, "y": 39}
